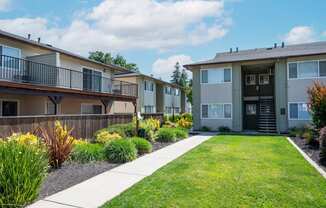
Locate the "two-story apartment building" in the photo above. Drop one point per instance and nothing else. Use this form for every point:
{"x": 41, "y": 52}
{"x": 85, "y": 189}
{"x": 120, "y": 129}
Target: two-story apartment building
{"x": 39, "y": 79}
{"x": 154, "y": 95}
{"x": 262, "y": 89}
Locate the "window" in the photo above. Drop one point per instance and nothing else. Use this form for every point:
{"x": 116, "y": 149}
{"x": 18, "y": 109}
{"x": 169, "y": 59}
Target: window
{"x": 168, "y": 110}
{"x": 215, "y": 76}
{"x": 307, "y": 69}
{"x": 217, "y": 111}
{"x": 177, "y": 110}
{"x": 49, "y": 108}
{"x": 263, "y": 79}
{"x": 250, "y": 109}
{"x": 9, "y": 108}
{"x": 177, "y": 92}
{"x": 91, "y": 109}
{"x": 299, "y": 111}
{"x": 92, "y": 80}
{"x": 149, "y": 109}
{"x": 168, "y": 90}
{"x": 10, "y": 57}
{"x": 149, "y": 86}
{"x": 250, "y": 79}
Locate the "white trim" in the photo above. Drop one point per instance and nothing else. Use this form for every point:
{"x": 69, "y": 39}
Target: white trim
{"x": 250, "y": 75}
{"x": 300, "y": 78}
{"x": 215, "y": 118}
{"x": 218, "y": 68}
{"x": 259, "y": 75}
{"x": 10, "y": 100}
{"x": 20, "y": 50}
{"x": 306, "y": 157}
{"x": 296, "y": 119}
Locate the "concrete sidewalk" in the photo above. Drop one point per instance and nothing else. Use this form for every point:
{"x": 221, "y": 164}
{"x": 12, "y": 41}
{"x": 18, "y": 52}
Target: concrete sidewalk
{"x": 95, "y": 191}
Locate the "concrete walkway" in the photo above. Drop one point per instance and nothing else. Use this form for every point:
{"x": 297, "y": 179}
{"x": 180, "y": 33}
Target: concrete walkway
{"x": 95, "y": 191}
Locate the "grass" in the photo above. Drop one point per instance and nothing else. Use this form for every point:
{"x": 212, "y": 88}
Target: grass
{"x": 231, "y": 171}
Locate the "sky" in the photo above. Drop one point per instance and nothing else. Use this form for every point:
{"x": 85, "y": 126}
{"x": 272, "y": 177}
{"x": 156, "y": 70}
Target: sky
{"x": 155, "y": 34}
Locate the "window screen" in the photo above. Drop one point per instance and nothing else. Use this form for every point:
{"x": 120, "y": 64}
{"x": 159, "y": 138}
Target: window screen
{"x": 204, "y": 76}
{"x": 293, "y": 110}
{"x": 204, "y": 111}
{"x": 322, "y": 68}
{"x": 227, "y": 75}
{"x": 293, "y": 73}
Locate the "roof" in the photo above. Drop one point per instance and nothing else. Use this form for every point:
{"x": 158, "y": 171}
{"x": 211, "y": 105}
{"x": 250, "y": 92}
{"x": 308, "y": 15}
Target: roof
{"x": 137, "y": 74}
{"x": 315, "y": 48}
{"x": 50, "y": 47}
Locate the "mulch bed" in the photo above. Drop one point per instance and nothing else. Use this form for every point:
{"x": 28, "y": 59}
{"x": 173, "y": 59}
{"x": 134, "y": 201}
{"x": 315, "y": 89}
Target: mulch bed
{"x": 72, "y": 173}
{"x": 311, "y": 151}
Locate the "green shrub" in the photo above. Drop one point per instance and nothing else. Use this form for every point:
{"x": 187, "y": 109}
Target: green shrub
{"x": 180, "y": 133}
{"x": 166, "y": 135}
{"x": 224, "y": 129}
{"x": 22, "y": 170}
{"x": 322, "y": 143}
{"x": 187, "y": 116}
{"x": 205, "y": 128}
{"x": 120, "y": 151}
{"x": 84, "y": 153}
{"x": 317, "y": 101}
{"x": 293, "y": 132}
{"x": 103, "y": 137}
{"x": 308, "y": 135}
{"x": 124, "y": 130}
{"x": 142, "y": 145}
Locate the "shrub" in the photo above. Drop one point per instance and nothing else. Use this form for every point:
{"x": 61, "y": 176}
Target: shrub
{"x": 151, "y": 123}
{"x": 58, "y": 142}
{"x": 205, "y": 128}
{"x": 104, "y": 137}
{"x": 124, "y": 130}
{"x": 224, "y": 129}
{"x": 187, "y": 116}
{"x": 180, "y": 133}
{"x": 80, "y": 141}
{"x": 322, "y": 142}
{"x": 22, "y": 170}
{"x": 120, "y": 151}
{"x": 169, "y": 124}
{"x": 142, "y": 145}
{"x": 183, "y": 123}
{"x": 27, "y": 139}
{"x": 293, "y": 132}
{"x": 166, "y": 135}
{"x": 87, "y": 152}
{"x": 317, "y": 103}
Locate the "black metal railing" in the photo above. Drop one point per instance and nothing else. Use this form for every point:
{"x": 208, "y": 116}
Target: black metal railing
{"x": 26, "y": 71}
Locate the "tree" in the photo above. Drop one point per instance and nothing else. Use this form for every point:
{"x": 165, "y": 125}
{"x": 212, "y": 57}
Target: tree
{"x": 107, "y": 58}
{"x": 183, "y": 78}
{"x": 176, "y": 74}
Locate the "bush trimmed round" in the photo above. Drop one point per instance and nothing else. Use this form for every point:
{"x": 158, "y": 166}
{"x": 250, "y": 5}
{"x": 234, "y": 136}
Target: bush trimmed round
{"x": 166, "y": 135}
{"x": 180, "y": 133}
{"x": 22, "y": 171}
{"x": 120, "y": 151}
{"x": 142, "y": 145}
{"x": 84, "y": 153}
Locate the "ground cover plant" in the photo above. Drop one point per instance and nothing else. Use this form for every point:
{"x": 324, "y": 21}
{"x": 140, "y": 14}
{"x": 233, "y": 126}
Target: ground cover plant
{"x": 231, "y": 171}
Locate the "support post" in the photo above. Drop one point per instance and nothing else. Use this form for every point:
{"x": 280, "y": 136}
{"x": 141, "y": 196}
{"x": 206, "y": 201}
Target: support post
{"x": 137, "y": 120}
{"x": 56, "y": 100}
{"x": 107, "y": 105}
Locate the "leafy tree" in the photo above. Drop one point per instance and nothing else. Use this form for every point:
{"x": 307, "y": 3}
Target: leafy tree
{"x": 107, "y": 58}
{"x": 176, "y": 74}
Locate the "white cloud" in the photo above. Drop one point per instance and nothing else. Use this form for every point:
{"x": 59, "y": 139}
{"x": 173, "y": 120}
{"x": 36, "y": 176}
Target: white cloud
{"x": 163, "y": 68}
{"x": 300, "y": 34}
{"x": 323, "y": 33}
{"x": 4, "y": 5}
{"x": 116, "y": 25}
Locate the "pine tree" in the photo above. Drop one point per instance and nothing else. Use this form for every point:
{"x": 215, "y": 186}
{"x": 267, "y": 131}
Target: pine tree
{"x": 176, "y": 75}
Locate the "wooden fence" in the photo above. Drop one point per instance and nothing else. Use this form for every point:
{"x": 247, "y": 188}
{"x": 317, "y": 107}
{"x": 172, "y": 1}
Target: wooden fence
{"x": 84, "y": 126}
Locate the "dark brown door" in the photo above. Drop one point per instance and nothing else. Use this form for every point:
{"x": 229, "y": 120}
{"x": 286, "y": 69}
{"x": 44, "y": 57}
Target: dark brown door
{"x": 9, "y": 108}
{"x": 250, "y": 115}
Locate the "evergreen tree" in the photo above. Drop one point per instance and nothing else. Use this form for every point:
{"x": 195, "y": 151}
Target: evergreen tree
{"x": 183, "y": 78}
{"x": 176, "y": 75}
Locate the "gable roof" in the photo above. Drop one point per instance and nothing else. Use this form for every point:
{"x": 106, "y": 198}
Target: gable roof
{"x": 138, "y": 74}
{"x": 52, "y": 48}
{"x": 315, "y": 48}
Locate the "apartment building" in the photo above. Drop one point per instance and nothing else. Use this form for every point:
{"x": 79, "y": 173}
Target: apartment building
{"x": 262, "y": 89}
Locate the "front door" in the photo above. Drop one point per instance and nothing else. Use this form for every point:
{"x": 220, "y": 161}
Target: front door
{"x": 250, "y": 115}
{"x": 9, "y": 108}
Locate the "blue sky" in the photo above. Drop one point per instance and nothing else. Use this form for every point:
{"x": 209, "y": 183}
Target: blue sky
{"x": 156, "y": 34}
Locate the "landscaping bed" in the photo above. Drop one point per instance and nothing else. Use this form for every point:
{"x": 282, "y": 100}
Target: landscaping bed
{"x": 311, "y": 151}
{"x": 72, "y": 173}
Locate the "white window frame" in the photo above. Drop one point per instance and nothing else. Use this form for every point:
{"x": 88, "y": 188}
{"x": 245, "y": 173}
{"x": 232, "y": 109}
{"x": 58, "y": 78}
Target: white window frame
{"x": 92, "y": 104}
{"x": 201, "y": 107}
{"x": 20, "y": 56}
{"x": 10, "y": 100}
{"x": 260, "y": 75}
{"x": 250, "y": 75}
{"x": 297, "y": 119}
{"x": 299, "y": 78}
{"x": 216, "y": 83}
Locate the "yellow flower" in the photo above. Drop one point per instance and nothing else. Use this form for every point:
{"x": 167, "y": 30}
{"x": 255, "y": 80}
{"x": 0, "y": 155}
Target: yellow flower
{"x": 104, "y": 137}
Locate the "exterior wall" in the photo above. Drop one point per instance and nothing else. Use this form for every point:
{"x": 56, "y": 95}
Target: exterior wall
{"x": 48, "y": 58}
{"x": 127, "y": 107}
{"x": 27, "y": 105}
{"x": 72, "y": 105}
{"x": 216, "y": 93}
{"x": 196, "y": 96}
{"x": 172, "y": 100}
{"x": 159, "y": 98}
{"x": 297, "y": 88}
{"x": 281, "y": 96}
{"x": 236, "y": 97}
{"x": 149, "y": 97}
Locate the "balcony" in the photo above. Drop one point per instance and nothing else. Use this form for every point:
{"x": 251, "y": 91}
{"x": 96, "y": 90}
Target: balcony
{"x": 25, "y": 71}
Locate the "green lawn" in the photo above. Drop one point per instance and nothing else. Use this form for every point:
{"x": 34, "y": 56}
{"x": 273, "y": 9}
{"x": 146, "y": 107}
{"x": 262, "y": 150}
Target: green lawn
{"x": 231, "y": 171}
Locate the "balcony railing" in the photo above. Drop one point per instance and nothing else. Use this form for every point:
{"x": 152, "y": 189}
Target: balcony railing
{"x": 26, "y": 71}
